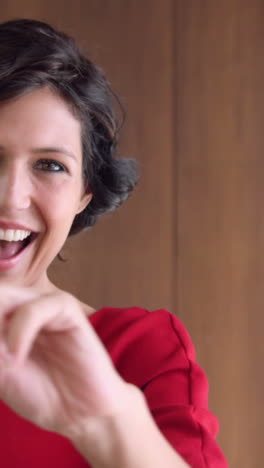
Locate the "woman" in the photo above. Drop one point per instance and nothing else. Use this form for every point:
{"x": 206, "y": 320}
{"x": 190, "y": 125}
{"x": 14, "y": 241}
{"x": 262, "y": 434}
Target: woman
{"x": 79, "y": 387}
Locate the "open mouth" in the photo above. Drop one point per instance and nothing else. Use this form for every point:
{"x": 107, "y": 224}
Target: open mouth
{"x": 10, "y": 249}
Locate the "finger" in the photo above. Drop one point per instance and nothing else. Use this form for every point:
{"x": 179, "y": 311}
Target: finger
{"x": 12, "y": 296}
{"x": 25, "y": 325}
{"x": 45, "y": 313}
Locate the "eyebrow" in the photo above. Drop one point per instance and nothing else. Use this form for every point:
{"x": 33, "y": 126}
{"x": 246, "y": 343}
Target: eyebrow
{"x": 57, "y": 149}
{"x": 49, "y": 149}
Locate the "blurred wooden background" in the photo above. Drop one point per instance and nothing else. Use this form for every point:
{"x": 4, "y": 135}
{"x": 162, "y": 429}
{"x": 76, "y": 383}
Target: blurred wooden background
{"x": 191, "y": 238}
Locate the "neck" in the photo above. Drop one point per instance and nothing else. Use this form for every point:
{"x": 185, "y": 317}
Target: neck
{"x": 42, "y": 284}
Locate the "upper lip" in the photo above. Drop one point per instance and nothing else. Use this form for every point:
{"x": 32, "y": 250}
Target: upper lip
{"x": 5, "y": 224}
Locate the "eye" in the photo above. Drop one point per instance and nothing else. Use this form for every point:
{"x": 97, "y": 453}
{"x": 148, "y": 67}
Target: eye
{"x": 49, "y": 165}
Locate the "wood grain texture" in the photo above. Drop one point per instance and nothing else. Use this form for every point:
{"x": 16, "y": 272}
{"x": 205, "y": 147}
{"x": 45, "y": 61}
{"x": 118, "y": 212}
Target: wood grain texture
{"x": 220, "y": 224}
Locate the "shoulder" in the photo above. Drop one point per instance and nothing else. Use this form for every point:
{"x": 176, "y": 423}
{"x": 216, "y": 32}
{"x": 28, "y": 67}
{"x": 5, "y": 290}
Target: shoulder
{"x": 139, "y": 324}
{"x": 110, "y": 321}
{"x": 144, "y": 344}
{"x": 154, "y": 351}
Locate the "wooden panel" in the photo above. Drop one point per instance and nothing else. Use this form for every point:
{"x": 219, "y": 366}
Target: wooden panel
{"x": 220, "y": 225}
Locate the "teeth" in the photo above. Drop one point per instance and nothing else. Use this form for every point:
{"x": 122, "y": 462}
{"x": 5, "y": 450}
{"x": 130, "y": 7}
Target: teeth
{"x": 12, "y": 235}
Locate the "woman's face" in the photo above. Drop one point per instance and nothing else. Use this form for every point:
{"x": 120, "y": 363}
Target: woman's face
{"x": 41, "y": 186}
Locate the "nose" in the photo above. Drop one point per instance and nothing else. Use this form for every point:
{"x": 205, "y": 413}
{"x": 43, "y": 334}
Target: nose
{"x": 14, "y": 188}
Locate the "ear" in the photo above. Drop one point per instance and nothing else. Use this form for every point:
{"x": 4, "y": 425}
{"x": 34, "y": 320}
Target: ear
{"x": 84, "y": 201}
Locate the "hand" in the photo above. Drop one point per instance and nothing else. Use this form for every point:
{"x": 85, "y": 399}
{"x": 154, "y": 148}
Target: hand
{"x": 59, "y": 373}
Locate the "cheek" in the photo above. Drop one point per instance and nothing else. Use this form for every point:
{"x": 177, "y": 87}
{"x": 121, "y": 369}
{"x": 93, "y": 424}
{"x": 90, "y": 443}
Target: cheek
{"x": 58, "y": 202}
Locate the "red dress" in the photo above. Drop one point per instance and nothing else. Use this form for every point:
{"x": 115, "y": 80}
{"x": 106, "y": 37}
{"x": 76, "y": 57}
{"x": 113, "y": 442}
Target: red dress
{"x": 152, "y": 350}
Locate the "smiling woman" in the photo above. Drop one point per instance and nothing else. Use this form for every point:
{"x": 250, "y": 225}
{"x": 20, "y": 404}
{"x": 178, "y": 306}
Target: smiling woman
{"x": 37, "y": 194}
{"x": 79, "y": 387}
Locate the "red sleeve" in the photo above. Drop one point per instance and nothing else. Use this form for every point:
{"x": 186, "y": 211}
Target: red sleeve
{"x": 154, "y": 351}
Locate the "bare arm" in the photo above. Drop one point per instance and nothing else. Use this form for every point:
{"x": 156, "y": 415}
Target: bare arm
{"x": 127, "y": 440}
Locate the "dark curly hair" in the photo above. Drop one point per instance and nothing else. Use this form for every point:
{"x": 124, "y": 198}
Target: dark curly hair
{"x": 33, "y": 55}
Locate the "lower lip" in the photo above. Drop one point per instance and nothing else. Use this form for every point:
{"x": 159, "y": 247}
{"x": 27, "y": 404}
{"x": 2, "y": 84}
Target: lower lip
{"x": 6, "y": 264}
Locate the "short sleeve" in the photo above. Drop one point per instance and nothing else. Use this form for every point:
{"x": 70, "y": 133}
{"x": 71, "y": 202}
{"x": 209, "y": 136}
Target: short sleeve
{"x": 154, "y": 351}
